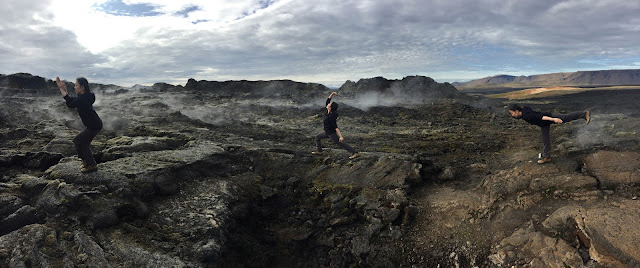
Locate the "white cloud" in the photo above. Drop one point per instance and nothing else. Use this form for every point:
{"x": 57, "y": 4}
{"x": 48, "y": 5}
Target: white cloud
{"x": 327, "y": 41}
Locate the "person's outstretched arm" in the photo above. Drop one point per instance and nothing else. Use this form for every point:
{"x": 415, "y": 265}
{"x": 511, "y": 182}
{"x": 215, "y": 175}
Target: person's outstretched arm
{"x": 553, "y": 119}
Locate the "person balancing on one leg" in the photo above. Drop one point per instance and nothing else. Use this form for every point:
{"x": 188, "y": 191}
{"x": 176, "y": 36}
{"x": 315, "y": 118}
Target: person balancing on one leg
{"x": 544, "y": 121}
{"x": 331, "y": 129}
{"x": 84, "y": 103}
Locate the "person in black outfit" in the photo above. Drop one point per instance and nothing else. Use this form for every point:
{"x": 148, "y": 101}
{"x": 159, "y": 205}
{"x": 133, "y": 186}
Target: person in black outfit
{"x": 331, "y": 129}
{"x": 84, "y": 104}
{"x": 544, "y": 121}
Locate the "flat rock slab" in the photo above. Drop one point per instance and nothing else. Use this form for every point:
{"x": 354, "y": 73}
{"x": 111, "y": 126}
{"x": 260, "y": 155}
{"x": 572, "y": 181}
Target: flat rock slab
{"x": 540, "y": 179}
{"x": 69, "y": 169}
{"x": 383, "y": 172}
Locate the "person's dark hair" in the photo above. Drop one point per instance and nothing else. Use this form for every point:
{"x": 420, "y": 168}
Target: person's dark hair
{"x": 514, "y": 107}
{"x": 334, "y": 106}
{"x": 84, "y": 83}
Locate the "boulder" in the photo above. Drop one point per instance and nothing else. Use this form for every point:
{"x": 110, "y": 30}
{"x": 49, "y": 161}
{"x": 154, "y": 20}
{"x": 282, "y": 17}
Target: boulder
{"x": 38, "y": 245}
{"x": 9, "y": 204}
{"x": 608, "y": 231}
{"x": 24, "y": 247}
{"x": 91, "y": 252}
{"x": 613, "y": 169}
{"x": 537, "y": 249}
{"x": 23, "y": 216}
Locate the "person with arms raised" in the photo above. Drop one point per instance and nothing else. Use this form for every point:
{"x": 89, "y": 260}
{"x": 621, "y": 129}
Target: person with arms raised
{"x": 331, "y": 130}
{"x": 83, "y": 102}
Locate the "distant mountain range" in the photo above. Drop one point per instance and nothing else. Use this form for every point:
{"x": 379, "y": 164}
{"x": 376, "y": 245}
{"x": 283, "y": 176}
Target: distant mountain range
{"x": 579, "y": 79}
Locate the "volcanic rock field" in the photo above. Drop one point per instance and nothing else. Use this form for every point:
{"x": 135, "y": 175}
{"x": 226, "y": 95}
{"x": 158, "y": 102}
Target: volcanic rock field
{"x": 220, "y": 174}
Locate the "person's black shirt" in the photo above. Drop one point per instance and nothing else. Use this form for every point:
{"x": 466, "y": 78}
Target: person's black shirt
{"x": 84, "y": 104}
{"x": 329, "y": 120}
{"x": 535, "y": 118}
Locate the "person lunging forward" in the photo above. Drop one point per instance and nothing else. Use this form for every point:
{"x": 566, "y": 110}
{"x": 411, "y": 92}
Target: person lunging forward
{"x": 544, "y": 121}
{"x": 84, "y": 104}
{"x": 331, "y": 130}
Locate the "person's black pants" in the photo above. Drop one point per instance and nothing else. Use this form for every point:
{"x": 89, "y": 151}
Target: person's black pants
{"x": 83, "y": 142}
{"x": 544, "y": 131}
{"x": 334, "y": 137}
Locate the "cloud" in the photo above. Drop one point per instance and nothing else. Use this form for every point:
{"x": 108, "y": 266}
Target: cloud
{"x": 30, "y": 43}
{"x": 326, "y": 41}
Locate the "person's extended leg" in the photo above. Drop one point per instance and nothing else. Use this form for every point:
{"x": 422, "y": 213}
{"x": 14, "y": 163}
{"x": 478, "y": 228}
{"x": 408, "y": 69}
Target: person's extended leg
{"x": 546, "y": 143}
{"x": 344, "y": 145}
{"x": 318, "y": 143}
{"x": 572, "y": 116}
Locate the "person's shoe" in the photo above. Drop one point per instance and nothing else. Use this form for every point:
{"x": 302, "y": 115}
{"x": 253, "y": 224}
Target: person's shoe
{"x": 544, "y": 160}
{"x": 587, "y": 116}
{"x": 316, "y": 152}
{"x": 88, "y": 169}
{"x": 354, "y": 156}
{"x": 84, "y": 164}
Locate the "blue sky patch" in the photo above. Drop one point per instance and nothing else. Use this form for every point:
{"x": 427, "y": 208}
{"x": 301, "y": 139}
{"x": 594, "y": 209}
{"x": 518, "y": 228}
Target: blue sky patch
{"x": 266, "y": 3}
{"x": 185, "y": 11}
{"x": 119, "y": 8}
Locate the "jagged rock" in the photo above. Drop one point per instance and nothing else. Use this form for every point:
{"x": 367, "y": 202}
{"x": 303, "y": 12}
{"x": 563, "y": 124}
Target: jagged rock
{"x": 413, "y": 89}
{"x": 258, "y": 89}
{"x": 32, "y": 246}
{"x": 38, "y": 160}
{"x": 383, "y": 172}
{"x": 24, "y": 81}
{"x": 9, "y": 204}
{"x": 533, "y": 177}
{"x": 63, "y": 146}
{"x": 23, "y": 216}
{"x": 613, "y": 169}
{"x": 537, "y": 249}
{"x": 56, "y": 196}
{"x": 605, "y": 231}
{"x": 90, "y": 252}
{"x": 32, "y": 186}
{"x": 129, "y": 145}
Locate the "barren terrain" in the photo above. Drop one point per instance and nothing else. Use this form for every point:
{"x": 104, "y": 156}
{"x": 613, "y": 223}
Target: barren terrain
{"x": 219, "y": 174}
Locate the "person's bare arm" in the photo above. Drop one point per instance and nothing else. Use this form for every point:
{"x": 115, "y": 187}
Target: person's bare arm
{"x": 553, "y": 119}
{"x": 340, "y": 138}
{"x": 61, "y": 86}
{"x": 332, "y": 94}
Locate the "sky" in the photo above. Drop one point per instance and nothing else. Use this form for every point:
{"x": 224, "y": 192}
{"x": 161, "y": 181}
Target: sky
{"x": 128, "y": 42}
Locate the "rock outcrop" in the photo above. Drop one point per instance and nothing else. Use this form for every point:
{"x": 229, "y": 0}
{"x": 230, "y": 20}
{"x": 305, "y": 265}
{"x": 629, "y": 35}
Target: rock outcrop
{"x": 614, "y": 169}
{"x": 285, "y": 89}
{"x": 411, "y": 88}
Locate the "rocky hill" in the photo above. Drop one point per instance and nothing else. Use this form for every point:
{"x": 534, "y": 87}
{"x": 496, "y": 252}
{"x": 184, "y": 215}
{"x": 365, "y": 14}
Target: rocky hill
{"x": 25, "y": 83}
{"x": 580, "y": 78}
{"x": 220, "y": 174}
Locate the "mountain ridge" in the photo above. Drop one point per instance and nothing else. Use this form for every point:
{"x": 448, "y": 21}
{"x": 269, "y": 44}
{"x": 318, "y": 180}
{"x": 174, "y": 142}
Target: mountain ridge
{"x": 579, "y": 78}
